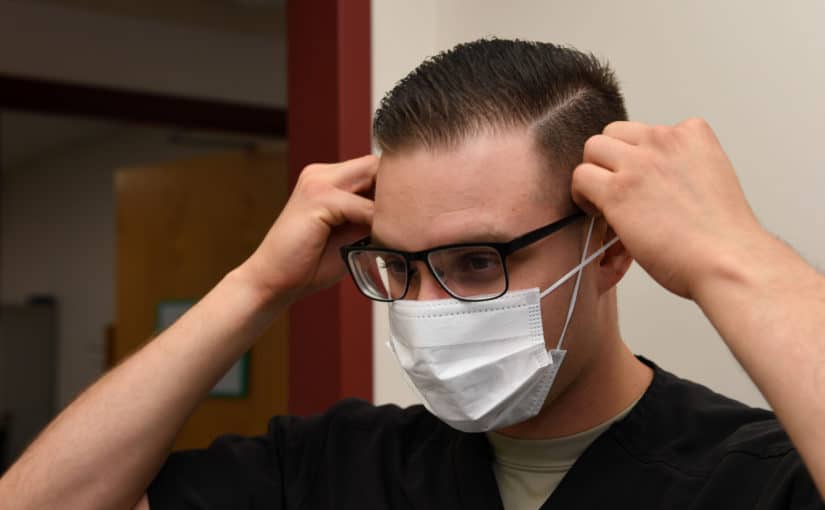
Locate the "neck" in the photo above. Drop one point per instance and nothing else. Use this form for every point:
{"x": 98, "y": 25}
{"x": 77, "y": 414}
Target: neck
{"x": 603, "y": 388}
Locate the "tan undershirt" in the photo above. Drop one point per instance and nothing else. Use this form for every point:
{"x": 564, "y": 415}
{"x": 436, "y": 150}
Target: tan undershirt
{"x": 529, "y": 470}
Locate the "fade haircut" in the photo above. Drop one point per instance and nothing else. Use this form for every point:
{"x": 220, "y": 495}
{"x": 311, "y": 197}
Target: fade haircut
{"x": 561, "y": 95}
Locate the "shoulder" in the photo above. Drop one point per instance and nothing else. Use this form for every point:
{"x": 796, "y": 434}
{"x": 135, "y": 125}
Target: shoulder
{"x": 720, "y": 452}
{"x": 354, "y": 424}
{"x": 695, "y": 448}
{"x": 283, "y": 465}
{"x": 353, "y": 413}
{"x": 692, "y": 428}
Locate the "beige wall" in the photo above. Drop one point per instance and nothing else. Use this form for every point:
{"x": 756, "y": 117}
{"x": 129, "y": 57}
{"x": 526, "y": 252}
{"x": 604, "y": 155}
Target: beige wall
{"x": 755, "y": 70}
{"x": 403, "y": 34}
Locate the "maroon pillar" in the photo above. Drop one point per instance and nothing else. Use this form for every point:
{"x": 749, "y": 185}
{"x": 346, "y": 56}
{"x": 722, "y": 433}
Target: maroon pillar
{"x": 328, "y": 120}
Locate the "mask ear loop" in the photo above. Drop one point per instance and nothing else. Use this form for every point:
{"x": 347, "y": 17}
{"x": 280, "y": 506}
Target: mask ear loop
{"x": 575, "y": 295}
{"x": 577, "y": 271}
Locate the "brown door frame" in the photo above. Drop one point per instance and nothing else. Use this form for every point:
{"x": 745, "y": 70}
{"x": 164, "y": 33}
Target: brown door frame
{"x": 330, "y": 110}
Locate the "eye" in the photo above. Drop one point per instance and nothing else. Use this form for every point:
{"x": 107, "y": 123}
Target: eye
{"x": 394, "y": 266}
{"x": 479, "y": 262}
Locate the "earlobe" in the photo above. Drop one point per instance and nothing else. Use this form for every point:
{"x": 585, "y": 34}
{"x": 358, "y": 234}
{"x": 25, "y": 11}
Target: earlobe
{"x": 613, "y": 264}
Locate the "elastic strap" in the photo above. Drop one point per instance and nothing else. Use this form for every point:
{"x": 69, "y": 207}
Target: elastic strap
{"x": 577, "y": 271}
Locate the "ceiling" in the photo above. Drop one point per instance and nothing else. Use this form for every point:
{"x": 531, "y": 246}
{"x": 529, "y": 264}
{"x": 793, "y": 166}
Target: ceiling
{"x": 263, "y": 17}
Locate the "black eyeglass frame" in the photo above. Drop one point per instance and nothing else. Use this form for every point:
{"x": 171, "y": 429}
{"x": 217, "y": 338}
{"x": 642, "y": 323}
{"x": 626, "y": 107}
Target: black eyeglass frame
{"x": 504, "y": 249}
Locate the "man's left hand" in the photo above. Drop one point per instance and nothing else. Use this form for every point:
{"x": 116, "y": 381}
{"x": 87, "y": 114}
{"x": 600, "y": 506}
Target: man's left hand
{"x": 672, "y": 196}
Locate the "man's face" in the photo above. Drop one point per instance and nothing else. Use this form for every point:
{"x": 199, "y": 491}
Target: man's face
{"x": 491, "y": 188}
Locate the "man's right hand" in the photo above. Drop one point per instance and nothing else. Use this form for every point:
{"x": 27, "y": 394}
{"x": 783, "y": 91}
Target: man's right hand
{"x": 107, "y": 446}
{"x": 330, "y": 206}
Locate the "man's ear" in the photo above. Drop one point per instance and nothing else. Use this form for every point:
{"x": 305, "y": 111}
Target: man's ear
{"x": 613, "y": 264}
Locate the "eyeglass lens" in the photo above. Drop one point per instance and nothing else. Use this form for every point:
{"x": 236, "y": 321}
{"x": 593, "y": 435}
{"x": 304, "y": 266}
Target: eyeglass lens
{"x": 380, "y": 275}
{"x": 473, "y": 273}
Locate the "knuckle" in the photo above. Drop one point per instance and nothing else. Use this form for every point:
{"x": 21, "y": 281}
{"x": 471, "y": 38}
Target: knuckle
{"x": 311, "y": 185}
{"x": 661, "y": 133}
{"x": 309, "y": 175}
{"x": 315, "y": 171}
{"x": 312, "y": 168}
{"x": 578, "y": 175}
{"x": 648, "y": 159}
{"x": 592, "y": 143}
{"x": 696, "y": 123}
{"x": 621, "y": 185}
{"x": 611, "y": 127}
{"x": 315, "y": 188}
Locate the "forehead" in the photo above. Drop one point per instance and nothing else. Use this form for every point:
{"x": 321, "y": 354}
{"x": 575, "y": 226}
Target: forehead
{"x": 489, "y": 187}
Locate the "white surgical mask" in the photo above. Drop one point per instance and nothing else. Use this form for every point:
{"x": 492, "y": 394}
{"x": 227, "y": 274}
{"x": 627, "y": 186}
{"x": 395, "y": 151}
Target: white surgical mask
{"x": 482, "y": 365}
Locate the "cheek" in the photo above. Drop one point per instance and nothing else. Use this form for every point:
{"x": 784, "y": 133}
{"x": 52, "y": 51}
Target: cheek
{"x": 554, "y": 310}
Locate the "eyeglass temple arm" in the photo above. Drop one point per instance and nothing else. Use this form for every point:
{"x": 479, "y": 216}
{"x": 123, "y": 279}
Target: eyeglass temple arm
{"x": 535, "y": 235}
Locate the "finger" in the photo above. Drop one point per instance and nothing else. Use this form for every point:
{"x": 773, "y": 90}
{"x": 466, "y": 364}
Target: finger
{"x": 590, "y": 187}
{"x": 627, "y": 131}
{"x": 698, "y": 126}
{"x": 355, "y": 174}
{"x": 345, "y": 207}
{"x": 606, "y": 152}
{"x": 347, "y": 233}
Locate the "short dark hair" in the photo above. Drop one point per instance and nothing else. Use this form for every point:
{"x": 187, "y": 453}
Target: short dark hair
{"x": 564, "y": 96}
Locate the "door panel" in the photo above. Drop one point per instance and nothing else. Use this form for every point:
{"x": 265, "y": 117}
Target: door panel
{"x": 181, "y": 227}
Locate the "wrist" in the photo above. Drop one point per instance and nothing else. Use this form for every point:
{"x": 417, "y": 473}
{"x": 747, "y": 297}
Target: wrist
{"x": 261, "y": 293}
{"x": 757, "y": 262}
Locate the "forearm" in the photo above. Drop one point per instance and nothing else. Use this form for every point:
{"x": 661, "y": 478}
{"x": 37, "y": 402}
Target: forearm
{"x": 104, "y": 449}
{"x": 769, "y": 306}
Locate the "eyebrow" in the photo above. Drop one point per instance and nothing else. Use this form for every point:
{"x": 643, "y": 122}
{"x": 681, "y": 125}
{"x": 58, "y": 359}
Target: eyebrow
{"x": 490, "y": 236}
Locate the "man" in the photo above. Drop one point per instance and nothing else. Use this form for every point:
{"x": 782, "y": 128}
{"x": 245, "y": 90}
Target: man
{"x": 503, "y": 314}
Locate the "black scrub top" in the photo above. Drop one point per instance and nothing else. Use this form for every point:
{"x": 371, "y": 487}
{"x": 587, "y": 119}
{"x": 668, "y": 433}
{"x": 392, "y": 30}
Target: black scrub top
{"x": 681, "y": 447}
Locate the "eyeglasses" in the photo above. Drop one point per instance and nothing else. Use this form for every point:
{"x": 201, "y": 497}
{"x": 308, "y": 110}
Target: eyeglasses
{"x": 468, "y": 271}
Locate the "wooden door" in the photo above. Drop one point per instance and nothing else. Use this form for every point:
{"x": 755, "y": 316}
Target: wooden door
{"x": 181, "y": 226}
